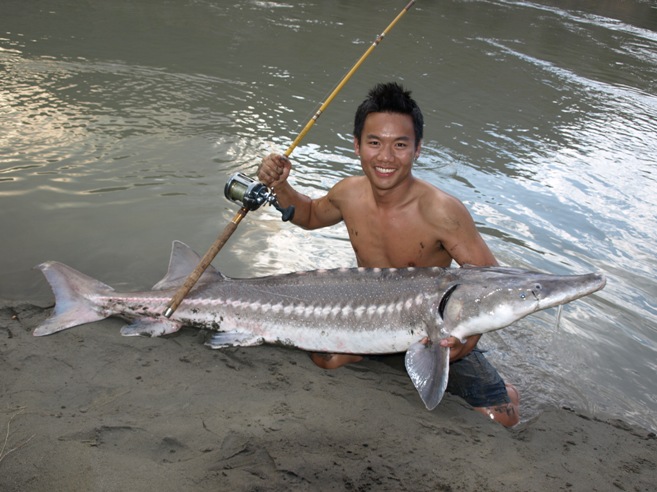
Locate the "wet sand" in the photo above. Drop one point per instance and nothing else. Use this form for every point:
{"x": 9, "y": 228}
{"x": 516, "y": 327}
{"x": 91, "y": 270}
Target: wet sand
{"x": 87, "y": 409}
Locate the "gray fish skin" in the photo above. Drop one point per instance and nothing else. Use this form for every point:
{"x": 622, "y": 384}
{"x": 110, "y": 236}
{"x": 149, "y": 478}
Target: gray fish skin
{"x": 349, "y": 310}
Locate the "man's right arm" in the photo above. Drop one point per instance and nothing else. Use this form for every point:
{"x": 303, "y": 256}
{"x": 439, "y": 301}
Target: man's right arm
{"x": 308, "y": 213}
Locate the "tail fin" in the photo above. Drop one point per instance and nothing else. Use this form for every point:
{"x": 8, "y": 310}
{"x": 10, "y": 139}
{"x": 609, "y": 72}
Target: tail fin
{"x": 73, "y": 298}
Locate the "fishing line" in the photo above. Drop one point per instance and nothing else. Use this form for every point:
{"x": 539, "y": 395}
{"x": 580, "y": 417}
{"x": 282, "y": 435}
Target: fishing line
{"x": 252, "y": 195}
{"x": 557, "y": 321}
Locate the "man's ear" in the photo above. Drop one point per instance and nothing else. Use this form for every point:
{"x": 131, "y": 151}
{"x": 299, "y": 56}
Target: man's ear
{"x": 356, "y": 147}
{"x": 417, "y": 150}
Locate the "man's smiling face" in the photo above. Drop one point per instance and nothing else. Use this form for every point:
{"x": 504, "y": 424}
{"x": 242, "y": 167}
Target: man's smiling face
{"x": 387, "y": 148}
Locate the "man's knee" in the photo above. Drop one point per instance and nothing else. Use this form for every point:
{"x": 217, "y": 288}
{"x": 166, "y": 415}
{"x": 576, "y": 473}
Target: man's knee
{"x": 333, "y": 361}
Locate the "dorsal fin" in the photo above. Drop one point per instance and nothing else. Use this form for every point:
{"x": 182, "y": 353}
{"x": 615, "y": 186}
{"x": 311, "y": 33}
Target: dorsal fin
{"x": 182, "y": 262}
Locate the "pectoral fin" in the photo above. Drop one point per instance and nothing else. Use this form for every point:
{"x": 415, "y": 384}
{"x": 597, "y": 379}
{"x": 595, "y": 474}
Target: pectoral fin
{"x": 151, "y": 327}
{"x": 428, "y": 367}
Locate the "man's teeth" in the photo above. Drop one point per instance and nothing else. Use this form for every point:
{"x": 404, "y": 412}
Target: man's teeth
{"x": 385, "y": 170}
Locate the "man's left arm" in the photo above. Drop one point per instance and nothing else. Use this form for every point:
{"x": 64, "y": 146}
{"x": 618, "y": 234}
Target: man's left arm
{"x": 463, "y": 241}
{"x": 466, "y": 247}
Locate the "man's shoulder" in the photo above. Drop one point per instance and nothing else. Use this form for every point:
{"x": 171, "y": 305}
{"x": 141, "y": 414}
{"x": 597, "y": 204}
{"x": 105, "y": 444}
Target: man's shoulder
{"x": 428, "y": 191}
{"x": 352, "y": 180}
{"x": 350, "y": 183}
{"x": 440, "y": 207}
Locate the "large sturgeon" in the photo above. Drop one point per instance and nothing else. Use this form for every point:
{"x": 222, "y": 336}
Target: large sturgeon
{"x": 346, "y": 310}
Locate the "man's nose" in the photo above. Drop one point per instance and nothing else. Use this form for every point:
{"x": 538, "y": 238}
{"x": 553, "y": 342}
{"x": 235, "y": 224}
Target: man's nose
{"x": 386, "y": 153}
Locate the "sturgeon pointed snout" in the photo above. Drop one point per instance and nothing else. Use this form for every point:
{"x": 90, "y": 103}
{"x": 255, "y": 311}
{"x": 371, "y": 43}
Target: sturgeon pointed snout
{"x": 560, "y": 290}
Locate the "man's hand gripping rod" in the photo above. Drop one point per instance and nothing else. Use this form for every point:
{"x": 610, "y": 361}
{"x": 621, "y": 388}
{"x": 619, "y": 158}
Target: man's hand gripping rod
{"x": 240, "y": 188}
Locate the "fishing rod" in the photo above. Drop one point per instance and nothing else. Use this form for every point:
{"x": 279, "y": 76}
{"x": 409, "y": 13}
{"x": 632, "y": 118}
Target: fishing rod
{"x": 251, "y": 194}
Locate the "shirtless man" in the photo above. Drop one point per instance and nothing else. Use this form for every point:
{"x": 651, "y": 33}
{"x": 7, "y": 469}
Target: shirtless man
{"x": 395, "y": 220}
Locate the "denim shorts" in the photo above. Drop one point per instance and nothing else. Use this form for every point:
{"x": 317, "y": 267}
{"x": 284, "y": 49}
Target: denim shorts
{"x": 475, "y": 380}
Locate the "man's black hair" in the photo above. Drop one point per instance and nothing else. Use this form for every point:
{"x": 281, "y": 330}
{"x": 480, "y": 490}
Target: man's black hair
{"x": 389, "y": 97}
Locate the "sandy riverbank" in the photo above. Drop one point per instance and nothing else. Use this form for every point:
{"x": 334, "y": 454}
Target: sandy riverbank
{"x": 87, "y": 409}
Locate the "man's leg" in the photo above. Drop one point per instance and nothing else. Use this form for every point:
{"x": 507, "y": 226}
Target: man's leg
{"x": 475, "y": 380}
{"x": 506, "y": 414}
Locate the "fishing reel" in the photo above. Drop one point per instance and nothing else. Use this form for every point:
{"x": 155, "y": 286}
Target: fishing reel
{"x": 253, "y": 194}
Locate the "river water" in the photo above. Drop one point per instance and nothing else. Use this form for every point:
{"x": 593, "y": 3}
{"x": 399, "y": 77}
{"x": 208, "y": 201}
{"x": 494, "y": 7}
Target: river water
{"x": 121, "y": 121}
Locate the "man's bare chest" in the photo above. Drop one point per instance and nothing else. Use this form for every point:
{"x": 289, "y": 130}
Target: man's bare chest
{"x": 395, "y": 243}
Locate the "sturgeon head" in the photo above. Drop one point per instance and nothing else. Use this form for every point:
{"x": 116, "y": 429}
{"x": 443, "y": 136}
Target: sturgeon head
{"x": 479, "y": 300}
{"x": 487, "y": 299}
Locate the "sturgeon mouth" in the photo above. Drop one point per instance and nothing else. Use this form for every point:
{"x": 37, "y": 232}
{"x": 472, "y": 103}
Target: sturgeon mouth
{"x": 443, "y": 302}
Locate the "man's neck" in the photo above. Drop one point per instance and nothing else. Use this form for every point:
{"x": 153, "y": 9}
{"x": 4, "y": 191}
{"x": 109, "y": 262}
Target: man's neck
{"x": 393, "y": 197}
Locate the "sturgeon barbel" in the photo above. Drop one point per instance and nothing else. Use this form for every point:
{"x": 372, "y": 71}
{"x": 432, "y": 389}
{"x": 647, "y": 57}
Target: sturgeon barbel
{"x": 346, "y": 310}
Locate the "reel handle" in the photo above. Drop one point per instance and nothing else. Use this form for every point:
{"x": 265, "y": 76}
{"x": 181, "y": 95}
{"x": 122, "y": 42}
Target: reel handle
{"x": 287, "y": 213}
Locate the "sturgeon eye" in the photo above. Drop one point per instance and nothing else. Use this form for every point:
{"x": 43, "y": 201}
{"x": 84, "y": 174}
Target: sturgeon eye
{"x": 443, "y": 302}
